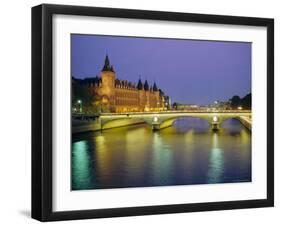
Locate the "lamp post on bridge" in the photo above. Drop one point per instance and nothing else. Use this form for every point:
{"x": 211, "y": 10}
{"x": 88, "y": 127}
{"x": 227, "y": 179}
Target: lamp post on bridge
{"x": 215, "y": 123}
{"x": 155, "y": 123}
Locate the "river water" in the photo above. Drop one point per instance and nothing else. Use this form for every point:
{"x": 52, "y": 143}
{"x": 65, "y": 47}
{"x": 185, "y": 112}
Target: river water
{"x": 189, "y": 152}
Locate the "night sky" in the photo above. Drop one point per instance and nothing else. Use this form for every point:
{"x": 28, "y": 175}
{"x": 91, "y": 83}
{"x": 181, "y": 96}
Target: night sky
{"x": 189, "y": 71}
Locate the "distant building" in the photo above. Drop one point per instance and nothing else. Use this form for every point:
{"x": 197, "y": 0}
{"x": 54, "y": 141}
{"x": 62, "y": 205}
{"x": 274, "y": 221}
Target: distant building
{"x": 222, "y": 105}
{"x": 167, "y": 103}
{"x": 109, "y": 94}
{"x": 178, "y": 106}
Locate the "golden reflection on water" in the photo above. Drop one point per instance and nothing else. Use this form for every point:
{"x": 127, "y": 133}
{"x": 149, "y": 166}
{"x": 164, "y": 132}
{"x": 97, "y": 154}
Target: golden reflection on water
{"x": 161, "y": 160}
{"x": 216, "y": 161}
{"x": 81, "y": 165}
{"x": 187, "y": 153}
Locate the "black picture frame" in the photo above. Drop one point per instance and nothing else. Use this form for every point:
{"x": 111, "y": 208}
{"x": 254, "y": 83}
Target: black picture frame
{"x": 42, "y": 108}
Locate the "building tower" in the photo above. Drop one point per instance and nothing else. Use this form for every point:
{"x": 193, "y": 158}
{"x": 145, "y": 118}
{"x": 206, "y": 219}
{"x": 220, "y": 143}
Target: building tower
{"x": 140, "y": 85}
{"x": 155, "y": 87}
{"x": 146, "y": 86}
{"x": 108, "y": 85}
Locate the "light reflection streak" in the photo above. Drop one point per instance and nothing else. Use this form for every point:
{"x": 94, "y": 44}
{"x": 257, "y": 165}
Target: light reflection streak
{"x": 216, "y": 161}
{"x": 81, "y": 164}
{"x": 161, "y": 161}
{"x": 186, "y": 153}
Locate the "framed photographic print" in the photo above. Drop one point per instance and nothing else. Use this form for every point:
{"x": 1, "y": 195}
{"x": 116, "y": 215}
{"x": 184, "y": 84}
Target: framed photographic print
{"x": 145, "y": 112}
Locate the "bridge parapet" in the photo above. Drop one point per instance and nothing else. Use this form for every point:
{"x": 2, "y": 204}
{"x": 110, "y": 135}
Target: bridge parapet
{"x": 160, "y": 120}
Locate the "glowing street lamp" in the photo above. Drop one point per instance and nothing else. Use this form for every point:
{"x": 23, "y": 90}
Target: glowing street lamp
{"x": 80, "y": 103}
{"x": 215, "y": 119}
{"x": 155, "y": 119}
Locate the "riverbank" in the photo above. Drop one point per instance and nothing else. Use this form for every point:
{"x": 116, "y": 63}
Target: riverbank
{"x": 246, "y": 121}
{"x": 81, "y": 126}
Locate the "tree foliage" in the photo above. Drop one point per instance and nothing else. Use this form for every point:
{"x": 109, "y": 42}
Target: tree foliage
{"x": 88, "y": 98}
{"x": 245, "y": 102}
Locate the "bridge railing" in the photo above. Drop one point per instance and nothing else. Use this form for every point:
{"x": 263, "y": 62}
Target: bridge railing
{"x": 179, "y": 111}
{"x": 92, "y": 116}
{"x": 85, "y": 117}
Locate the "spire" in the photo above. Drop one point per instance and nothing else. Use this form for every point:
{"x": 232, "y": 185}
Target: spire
{"x": 107, "y": 66}
{"x": 155, "y": 87}
{"x": 146, "y": 86}
{"x": 161, "y": 92}
{"x": 140, "y": 85}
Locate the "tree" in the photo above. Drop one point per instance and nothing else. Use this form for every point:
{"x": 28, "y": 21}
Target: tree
{"x": 83, "y": 93}
{"x": 235, "y": 102}
{"x": 175, "y": 105}
{"x": 247, "y": 101}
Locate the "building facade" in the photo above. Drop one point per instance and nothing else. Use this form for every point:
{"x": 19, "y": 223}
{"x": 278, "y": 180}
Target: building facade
{"x": 109, "y": 94}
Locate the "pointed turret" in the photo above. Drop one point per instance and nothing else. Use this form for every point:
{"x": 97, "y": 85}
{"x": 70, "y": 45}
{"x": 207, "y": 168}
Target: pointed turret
{"x": 155, "y": 87}
{"x": 146, "y": 86}
{"x": 140, "y": 85}
{"x": 107, "y": 66}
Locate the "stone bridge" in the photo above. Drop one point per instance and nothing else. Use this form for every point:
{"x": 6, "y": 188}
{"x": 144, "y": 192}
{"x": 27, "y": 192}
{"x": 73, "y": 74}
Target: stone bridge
{"x": 160, "y": 120}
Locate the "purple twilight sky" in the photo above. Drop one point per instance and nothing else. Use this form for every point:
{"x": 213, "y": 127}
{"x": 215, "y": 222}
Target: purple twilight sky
{"x": 189, "y": 71}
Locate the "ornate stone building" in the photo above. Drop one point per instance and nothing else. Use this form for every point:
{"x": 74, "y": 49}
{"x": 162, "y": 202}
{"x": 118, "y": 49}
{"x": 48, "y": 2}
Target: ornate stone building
{"x": 109, "y": 94}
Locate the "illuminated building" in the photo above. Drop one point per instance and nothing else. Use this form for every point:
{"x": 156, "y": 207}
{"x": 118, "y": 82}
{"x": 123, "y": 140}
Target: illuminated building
{"x": 109, "y": 94}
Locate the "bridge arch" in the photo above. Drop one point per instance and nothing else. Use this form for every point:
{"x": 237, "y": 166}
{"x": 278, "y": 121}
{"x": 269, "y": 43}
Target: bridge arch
{"x": 170, "y": 121}
{"x": 240, "y": 120}
{"x": 160, "y": 120}
{"x": 120, "y": 122}
{"x": 214, "y": 120}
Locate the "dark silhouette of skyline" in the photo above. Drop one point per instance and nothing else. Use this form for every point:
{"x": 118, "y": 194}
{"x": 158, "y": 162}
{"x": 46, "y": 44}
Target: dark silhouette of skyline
{"x": 189, "y": 71}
